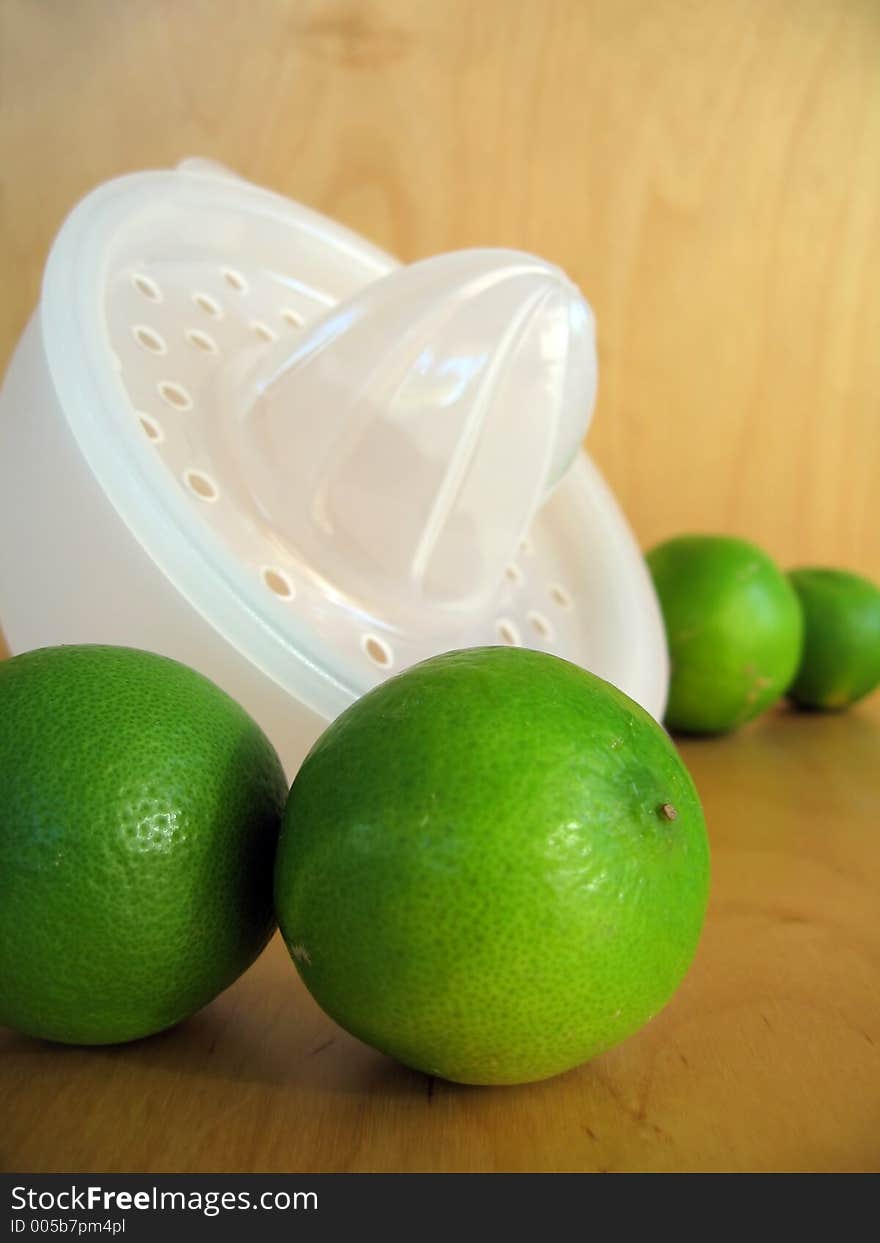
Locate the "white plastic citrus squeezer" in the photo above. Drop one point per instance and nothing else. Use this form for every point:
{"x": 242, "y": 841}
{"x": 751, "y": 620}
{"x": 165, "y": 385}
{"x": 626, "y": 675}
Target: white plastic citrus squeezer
{"x": 237, "y": 434}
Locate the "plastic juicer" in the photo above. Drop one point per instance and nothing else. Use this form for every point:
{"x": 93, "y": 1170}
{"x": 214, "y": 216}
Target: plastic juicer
{"x": 238, "y": 434}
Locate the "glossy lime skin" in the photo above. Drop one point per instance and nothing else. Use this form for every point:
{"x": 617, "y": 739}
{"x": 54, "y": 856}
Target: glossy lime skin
{"x": 139, "y": 814}
{"x": 476, "y": 873}
{"x": 734, "y": 629}
{"x": 841, "y": 656}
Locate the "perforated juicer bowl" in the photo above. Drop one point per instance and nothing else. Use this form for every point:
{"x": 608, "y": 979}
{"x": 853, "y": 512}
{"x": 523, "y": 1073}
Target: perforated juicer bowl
{"x": 237, "y": 434}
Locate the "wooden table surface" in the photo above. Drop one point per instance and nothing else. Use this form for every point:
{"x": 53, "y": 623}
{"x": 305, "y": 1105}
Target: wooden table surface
{"x": 707, "y": 171}
{"x": 767, "y": 1058}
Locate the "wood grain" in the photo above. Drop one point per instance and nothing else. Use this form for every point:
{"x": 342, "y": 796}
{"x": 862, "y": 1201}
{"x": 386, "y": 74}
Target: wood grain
{"x": 707, "y": 170}
{"x": 768, "y": 1057}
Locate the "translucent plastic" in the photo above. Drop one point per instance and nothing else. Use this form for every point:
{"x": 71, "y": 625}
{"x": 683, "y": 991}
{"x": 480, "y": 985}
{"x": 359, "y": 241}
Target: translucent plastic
{"x": 238, "y": 434}
{"x": 453, "y": 395}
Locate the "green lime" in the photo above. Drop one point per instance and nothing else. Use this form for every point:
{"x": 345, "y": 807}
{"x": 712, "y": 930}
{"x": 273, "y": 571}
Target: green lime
{"x": 492, "y": 867}
{"x": 841, "y": 658}
{"x": 734, "y": 628}
{"x": 140, "y": 813}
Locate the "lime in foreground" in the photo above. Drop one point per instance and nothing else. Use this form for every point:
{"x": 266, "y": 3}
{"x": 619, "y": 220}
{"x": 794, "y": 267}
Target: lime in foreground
{"x": 841, "y": 657}
{"x": 734, "y": 629}
{"x": 492, "y": 867}
{"x": 140, "y": 813}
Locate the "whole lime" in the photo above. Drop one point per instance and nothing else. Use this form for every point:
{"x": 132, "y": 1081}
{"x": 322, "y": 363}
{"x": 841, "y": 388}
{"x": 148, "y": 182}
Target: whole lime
{"x": 841, "y": 657}
{"x": 492, "y": 867}
{"x": 734, "y": 629}
{"x": 140, "y": 813}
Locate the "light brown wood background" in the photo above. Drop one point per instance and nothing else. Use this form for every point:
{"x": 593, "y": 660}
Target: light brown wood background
{"x": 709, "y": 172}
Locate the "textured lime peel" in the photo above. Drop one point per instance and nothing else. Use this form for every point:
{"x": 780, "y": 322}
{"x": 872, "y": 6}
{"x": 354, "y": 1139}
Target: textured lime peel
{"x": 841, "y": 658}
{"x": 478, "y": 873}
{"x": 140, "y": 813}
{"x": 733, "y": 626}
